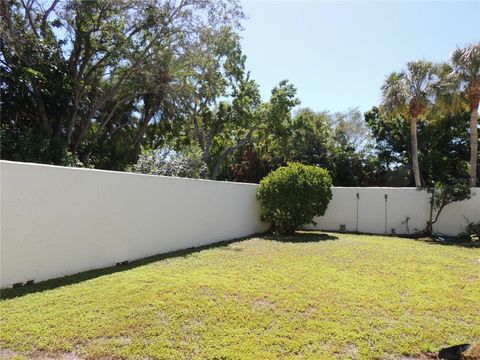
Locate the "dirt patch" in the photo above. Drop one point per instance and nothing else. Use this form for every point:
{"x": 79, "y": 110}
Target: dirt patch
{"x": 7, "y": 354}
{"x": 351, "y": 350}
{"x": 190, "y": 325}
{"x": 205, "y": 290}
{"x": 162, "y": 318}
{"x": 263, "y": 303}
{"x": 417, "y": 357}
{"x": 232, "y": 297}
{"x": 473, "y": 353}
{"x": 472, "y": 278}
{"x": 308, "y": 312}
{"x": 119, "y": 340}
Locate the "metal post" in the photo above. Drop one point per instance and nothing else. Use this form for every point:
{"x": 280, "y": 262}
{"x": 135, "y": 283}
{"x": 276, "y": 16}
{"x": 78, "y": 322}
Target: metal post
{"x": 358, "y": 199}
{"x": 386, "y": 200}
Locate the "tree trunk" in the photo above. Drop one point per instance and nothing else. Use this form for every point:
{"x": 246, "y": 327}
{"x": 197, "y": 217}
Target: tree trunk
{"x": 414, "y": 146}
{"x": 203, "y": 145}
{"x": 81, "y": 133}
{"x": 429, "y": 228}
{"x": 228, "y": 151}
{"x": 473, "y": 145}
{"x": 141, "y": 132}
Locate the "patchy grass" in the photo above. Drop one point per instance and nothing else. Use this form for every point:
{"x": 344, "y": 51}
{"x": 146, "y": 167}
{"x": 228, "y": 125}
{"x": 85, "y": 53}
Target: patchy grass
{"x": 309, "y": 296}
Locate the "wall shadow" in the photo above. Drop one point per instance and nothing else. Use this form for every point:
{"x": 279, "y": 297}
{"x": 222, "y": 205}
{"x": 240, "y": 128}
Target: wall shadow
{"x": 298, "y": 237}
{"x": 458, "y": 243}
{"x": 301, "y": 237}
{"x": 51, "y": 284}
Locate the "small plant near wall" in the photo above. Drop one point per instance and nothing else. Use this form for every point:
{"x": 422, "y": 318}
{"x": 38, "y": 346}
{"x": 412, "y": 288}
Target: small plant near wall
{"x": 442, "y": 194}
{"x": 471, "y": 233}
{"x": 293, "y": 195}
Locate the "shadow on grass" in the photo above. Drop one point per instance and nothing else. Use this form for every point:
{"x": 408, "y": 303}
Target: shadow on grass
{"x": 301, "y": 237}
{"x": 91, "y": 274}
{"x": 459, "y": 243}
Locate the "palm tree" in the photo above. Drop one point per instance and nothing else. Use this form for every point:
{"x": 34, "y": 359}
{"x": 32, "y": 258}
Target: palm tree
{"x": 410, "y": 94}
{"x": 465, "y": 63}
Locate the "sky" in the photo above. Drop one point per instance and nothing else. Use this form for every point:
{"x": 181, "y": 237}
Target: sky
{"x": 338, "y": 53}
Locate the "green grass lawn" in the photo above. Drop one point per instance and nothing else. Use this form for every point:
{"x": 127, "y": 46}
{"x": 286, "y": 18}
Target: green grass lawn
{"x": 310, "y": 296}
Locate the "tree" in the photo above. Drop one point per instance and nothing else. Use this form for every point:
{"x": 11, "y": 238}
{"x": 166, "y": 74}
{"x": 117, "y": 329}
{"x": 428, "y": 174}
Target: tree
{"x": 352, "y": 128}
{"x": 217, "y": 75}
{"x": 410, "y": 93}
{"x": 225, "y": 112}
{"x": 466, "y": 67}
{"x": 442, "y": 194}
{"x": 310, "y": 138}
{"x": 339, "y": 143}
{"x": 443, "y": 144}
{"x": 255, "y": 117}
{"x": 71, "y": 69}
{"x": 291, "y": 196}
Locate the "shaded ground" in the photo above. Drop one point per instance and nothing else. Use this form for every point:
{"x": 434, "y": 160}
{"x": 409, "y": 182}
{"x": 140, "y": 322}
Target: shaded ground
{"x": 309, "y": 296}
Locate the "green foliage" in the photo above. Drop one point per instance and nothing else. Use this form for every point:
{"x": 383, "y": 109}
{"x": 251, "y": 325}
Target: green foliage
{"x": 293, "y": 195}
{"x": 465, "y": 63}
{"x": 310, "y": 139}
{"x": 34, "y": 146}
{"x": 472, "y": 232}
{"x": 91, "y": 82}
{"x": 443, "y": 193}
{"x": 337, "y": 142}
{"x": 412, "y": 91}
{"x": 409, "y": 94}
{"x": 98, "y": 76}
{"x": 168, "y": 162}
{"x": 248, "y": 167}
{"x": 443, "y": 147}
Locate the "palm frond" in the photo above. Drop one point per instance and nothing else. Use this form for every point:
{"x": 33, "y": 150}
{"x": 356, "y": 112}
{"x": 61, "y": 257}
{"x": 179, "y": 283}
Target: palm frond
{"x": 394, "y": 95}
{"x": 412, "y": 90}
{"x": 465, "y": 62}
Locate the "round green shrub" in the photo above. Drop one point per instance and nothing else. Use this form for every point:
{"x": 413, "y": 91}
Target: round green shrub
{"x": 293, "y": 195}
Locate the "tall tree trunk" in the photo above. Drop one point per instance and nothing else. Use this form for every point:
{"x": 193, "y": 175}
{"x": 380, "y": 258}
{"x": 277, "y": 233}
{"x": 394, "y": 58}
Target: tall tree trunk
{"x": 473, "y": 145}
{"x": 203, "y": 145}
{"x": 414, "y": 146}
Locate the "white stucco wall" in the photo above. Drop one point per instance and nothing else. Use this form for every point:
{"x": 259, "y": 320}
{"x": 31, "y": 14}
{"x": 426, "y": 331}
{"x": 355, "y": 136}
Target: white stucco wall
{"x": 57, "y": 221}
{"x": 401, "y": 203}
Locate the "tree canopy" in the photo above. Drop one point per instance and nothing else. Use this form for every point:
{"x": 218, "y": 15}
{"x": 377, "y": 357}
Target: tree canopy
{"x": 154, "y": 85}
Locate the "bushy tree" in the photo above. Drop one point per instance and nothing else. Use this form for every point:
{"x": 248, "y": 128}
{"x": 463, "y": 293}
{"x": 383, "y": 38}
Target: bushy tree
{"x": 293, "y": 195}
